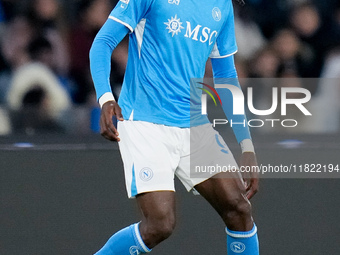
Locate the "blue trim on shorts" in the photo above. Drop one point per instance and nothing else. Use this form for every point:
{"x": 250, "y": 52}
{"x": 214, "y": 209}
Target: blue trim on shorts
{"x": 221, "y": 145}
{"x": 133, "y": 183}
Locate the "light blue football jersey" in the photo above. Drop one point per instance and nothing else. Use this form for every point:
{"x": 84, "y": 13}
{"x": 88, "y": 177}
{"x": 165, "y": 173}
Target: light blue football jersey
{"x": 170, "y": 42}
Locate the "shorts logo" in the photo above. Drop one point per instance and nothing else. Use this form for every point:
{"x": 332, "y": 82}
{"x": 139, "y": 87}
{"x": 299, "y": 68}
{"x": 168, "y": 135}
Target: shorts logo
{"x": 237, "y": 247}
{"x": 216, "y": 14}
{"x": 173, "y": 2}
{"x": 134, "y": 250}
{"x": 146, "y": 174}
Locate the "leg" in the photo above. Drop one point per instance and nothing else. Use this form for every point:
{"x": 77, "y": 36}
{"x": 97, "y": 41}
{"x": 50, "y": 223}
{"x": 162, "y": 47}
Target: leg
{"x": 149, "y": 163}
{"x": 158, "y": 222}
{"x": 158, "y": 216}
{"x": 227, "y": 196}
{"x": 226, "y": 191}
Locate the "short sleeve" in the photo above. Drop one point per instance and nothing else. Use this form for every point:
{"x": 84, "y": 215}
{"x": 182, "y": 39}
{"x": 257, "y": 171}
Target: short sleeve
{"x": 130, "y": 12}
{"x": 225, "y": 45}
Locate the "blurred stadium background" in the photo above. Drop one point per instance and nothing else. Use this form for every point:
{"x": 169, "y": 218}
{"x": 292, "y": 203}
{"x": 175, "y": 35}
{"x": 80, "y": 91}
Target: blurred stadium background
{"x": 61, "y": 185}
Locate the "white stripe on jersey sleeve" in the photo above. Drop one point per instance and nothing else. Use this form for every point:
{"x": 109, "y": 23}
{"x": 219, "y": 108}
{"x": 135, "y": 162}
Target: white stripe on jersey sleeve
{"x": 122, "y": 22}
{"x": 215, "y": 53}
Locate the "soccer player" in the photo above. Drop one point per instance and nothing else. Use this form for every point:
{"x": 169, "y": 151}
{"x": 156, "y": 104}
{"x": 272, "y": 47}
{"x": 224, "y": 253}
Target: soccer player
{"x": 169, "y": 44}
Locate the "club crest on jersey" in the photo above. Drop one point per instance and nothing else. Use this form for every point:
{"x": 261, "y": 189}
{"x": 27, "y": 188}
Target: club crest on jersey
{"x": 174, "y": 25}
{"x": 216, "y": 14}
{"x": 173, "y": 2}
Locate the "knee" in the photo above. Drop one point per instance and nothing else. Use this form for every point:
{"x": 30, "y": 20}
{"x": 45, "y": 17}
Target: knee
{"x": 157, "y": 229}
{"x": 237, "y": 209}
{"x": 164, "y": 228}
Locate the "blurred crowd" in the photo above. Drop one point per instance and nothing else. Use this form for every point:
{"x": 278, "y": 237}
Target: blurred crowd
{"x": 297, "y": 41}
{"x": 45, "y": 82}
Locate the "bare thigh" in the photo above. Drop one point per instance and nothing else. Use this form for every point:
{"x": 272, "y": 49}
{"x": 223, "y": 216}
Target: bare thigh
{"x": 227, "y": 197}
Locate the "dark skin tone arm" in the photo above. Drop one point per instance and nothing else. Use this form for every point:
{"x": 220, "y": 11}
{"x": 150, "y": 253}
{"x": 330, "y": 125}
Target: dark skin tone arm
{"x": 107, "y": 129}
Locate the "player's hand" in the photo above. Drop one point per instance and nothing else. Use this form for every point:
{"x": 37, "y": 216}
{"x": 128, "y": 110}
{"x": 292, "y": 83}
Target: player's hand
{"x": 251, "y": 179}
{"x": 107, "y": 129}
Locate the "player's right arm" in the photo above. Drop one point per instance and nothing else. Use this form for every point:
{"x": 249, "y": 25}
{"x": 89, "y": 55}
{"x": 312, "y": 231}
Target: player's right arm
{"x": 105, "y": 42}
{"x": 123, "y": 19}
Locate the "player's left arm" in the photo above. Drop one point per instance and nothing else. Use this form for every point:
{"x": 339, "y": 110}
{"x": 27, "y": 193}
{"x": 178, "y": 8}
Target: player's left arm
{"x": 225, "y": 72}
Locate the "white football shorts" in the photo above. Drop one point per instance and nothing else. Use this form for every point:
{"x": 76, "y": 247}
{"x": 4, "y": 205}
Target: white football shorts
{"x": 153, "y": 154}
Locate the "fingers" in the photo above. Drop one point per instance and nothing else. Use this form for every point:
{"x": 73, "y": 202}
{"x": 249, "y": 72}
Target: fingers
{"x": 252, "y": 188}
{"x": 251, "y": 180}
{"x": 118, "y": 112}
{"x": 107, "y": 129}
{"x": 251, "y": 193}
